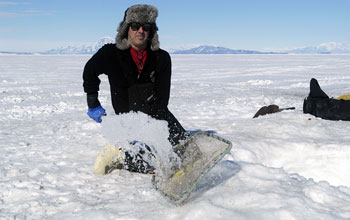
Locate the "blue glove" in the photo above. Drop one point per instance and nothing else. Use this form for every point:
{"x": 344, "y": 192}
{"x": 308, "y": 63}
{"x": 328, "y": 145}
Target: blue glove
{"x": 96, "y": 113}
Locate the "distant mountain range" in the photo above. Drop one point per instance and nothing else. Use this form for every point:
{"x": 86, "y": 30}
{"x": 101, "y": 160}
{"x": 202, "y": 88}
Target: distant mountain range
{"x": 217, "y": 50}
{"x": 93, "y": 47}
{"x": 324, "y": 48}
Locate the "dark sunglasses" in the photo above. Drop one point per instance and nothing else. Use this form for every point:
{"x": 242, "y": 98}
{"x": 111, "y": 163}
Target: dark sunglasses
{"x": 136, "y": 26}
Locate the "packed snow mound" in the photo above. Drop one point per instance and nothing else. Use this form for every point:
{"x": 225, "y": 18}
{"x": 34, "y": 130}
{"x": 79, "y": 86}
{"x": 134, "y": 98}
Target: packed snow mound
{"x": 125, "y": 128}
{"x": 121, "y": 130}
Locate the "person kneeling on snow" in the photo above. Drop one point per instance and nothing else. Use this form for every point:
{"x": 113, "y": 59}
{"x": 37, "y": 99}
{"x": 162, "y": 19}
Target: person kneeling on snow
{"x": 320, "y": 105}
{"x": 139, "y": 72}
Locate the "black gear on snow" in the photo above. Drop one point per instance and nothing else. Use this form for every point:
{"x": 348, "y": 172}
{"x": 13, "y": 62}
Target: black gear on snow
{"x": 320, "y": 105}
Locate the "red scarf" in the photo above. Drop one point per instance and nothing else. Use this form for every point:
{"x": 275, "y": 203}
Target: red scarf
{"x": 139, "y": 57}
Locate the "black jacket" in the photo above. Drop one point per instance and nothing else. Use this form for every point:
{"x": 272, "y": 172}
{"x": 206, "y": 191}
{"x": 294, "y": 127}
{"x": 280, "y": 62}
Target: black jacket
{"x": 122, "y": 74}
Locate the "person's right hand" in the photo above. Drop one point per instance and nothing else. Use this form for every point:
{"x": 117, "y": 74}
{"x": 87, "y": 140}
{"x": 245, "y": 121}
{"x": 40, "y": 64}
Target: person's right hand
{"x": 96, "y": 113}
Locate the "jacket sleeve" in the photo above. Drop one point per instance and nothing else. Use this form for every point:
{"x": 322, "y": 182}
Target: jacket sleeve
{"x": 93, "y": 68}
{"x": 163, "y": 81}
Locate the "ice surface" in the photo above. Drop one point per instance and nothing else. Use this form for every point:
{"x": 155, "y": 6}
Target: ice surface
{"x": 286, "y": 165}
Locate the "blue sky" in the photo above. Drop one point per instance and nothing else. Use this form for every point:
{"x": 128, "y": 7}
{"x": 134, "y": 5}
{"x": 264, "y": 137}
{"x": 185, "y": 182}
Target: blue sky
{"x": 39, "y": 25}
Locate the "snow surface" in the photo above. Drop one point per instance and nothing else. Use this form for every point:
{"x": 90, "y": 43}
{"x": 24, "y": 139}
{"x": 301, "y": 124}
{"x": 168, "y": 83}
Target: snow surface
{"x": 287, "y": 165}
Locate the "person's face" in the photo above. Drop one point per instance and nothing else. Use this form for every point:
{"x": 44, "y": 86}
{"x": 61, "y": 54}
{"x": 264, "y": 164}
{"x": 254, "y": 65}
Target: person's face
{"x": 138, "y": 35}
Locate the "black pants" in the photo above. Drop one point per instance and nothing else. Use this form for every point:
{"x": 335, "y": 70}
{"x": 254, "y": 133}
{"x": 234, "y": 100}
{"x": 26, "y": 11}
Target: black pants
{"x": 142, "y": 97}
{"x": 177, "y": 132}
{"x": 139, "y": 161}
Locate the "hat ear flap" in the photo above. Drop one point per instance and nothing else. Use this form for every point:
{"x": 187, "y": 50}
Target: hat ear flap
{"x": 155, "y": 42}
{"x": 121, "y": 39}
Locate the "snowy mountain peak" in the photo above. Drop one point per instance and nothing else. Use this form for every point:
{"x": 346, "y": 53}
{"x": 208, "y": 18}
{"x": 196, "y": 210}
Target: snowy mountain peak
{"x": 84, "y": 48}
{"x": 329, "y": 46}
{"x": 102, "y": 41}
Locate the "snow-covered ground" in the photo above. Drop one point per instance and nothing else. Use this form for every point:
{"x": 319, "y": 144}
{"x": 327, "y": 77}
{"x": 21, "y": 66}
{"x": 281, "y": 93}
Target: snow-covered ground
{"x": 287, "y": 165}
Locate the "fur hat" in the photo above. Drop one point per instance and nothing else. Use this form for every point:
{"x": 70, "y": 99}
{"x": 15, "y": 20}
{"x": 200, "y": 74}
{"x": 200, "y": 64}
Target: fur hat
{"x": 141, "y": 14}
